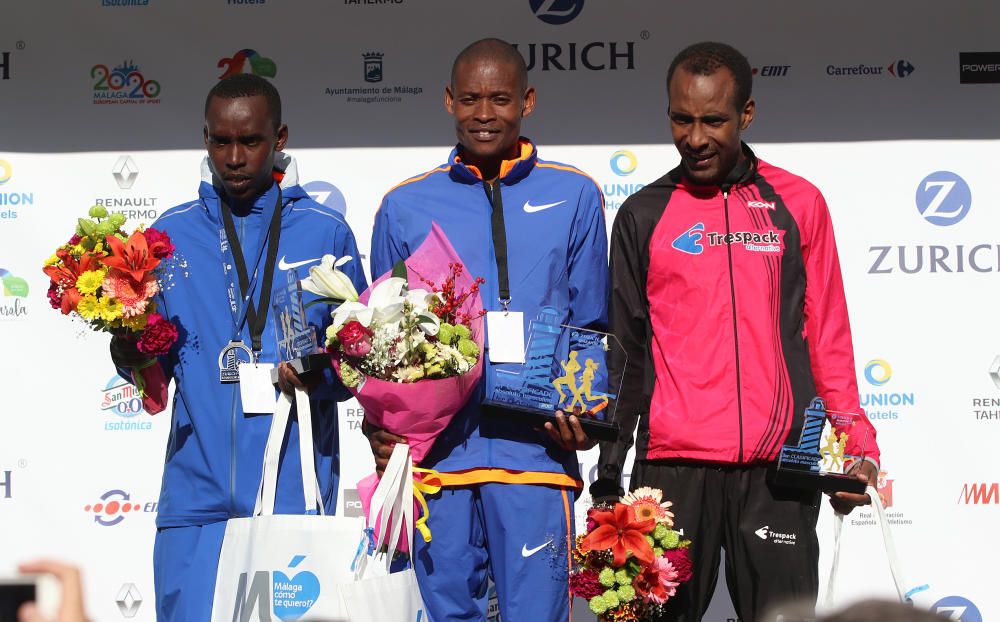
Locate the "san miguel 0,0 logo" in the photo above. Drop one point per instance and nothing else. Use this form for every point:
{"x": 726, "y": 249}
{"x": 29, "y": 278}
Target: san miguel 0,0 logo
{"x": 121, "y": 400}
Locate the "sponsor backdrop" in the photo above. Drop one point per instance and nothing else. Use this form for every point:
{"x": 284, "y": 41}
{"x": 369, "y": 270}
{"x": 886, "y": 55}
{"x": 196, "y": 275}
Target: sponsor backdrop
{"x": 887, "y": 108}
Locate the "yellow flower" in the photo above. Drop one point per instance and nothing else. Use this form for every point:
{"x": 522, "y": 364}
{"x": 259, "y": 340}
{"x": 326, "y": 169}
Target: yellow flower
{"x": 90, "y": 281}
{"x": 88, "y": 308}
{"x": 110, "y": 308}
{"x": 98, "y": 248}
{"x": 136, "y": 323}
{"x": 53, "y": 260}
{"x": 77, "y": 250}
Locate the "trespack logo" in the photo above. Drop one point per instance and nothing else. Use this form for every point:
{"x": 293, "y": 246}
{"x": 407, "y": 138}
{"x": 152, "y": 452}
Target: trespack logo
{"x": 556, "y": 12}
{"x": 123, "y": 84}
{"x": 259, "y": 65}
{"x": 623, "y": 162}
{"x": 943, "y": 198}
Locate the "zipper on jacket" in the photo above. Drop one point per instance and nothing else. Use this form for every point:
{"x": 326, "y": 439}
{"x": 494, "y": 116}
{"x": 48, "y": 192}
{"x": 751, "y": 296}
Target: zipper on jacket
{"x": 736, "y": 336}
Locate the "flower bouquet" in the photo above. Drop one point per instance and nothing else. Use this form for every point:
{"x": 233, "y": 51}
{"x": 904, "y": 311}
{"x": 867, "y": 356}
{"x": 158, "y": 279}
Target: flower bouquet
{"x": 630, "y": 561}
{"x": 108, "y": 279}
{"x": 412, "y": 356}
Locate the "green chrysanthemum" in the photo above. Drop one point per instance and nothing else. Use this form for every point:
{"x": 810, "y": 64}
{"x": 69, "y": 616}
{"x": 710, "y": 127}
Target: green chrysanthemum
{"x": 660, "y": 532}
{"x": 622, "y": 578}
{"x": 468, "y": 348}
{"x": 671, "y": 540}
{"x": 463, "y": 332}
{"x": 446, "y": 334}
{"x": 626, "y": 593}
{"x": 611, "y": 597}
{"x": 598, "y": 605}
{"x": 607, "y": 577}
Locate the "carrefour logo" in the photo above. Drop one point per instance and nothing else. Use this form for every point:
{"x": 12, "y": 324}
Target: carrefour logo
{"x": 556, "y": 12}
{"x": 878, "y": 372}
{"x": 958, "y": 609}
{"x": 943, "y": 198}
{"x": 623, "y": 162}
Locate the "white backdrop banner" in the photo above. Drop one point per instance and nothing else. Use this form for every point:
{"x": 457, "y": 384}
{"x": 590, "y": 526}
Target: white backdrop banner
{"x": 887, "y": 108}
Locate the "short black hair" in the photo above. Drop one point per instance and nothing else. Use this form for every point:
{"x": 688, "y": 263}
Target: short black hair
{"x": 705, "y": 58}
{"x": 248, "y": 85}
{"x": 492, "y": 49}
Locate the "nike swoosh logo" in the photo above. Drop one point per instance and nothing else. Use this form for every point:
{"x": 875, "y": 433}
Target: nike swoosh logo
{"x": 531, "y": 209}
{"x": 526, "y": 552}
{"x": 282, "y": 265}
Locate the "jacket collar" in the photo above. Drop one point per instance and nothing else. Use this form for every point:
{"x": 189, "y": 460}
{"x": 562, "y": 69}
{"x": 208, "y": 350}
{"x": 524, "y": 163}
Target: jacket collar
{"x": 511, "y": 171}
{"x": 286, "y": 175}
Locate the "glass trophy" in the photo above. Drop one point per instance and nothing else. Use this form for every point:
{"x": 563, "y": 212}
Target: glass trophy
{"x": 829, "y": 446}
{"x": 565, "y": 368}
{"x": 297, "y": 343}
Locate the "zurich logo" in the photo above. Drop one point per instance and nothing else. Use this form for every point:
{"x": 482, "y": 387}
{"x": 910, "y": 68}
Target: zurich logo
{"x": 327, "y": 194}
{"x": 556, "y": 12}
{"x": 957, "y": 608}
{"x": 943, "y": 198}
{"x": 687, "y": 242}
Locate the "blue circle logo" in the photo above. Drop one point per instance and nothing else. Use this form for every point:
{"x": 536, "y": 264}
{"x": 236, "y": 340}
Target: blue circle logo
{"x": 878, "y": 372}
{"x": 556, "y": 12}
{"x": 958, "y": 609}
{"x": 623, "y": 162}
{"x": 327, "y": 194}
{"x": 943, "y": 198}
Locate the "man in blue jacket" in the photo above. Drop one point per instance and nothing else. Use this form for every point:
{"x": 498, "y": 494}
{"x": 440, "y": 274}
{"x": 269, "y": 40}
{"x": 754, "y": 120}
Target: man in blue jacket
{"x": 505, "y": 510}
{"x": 250, "y": 226}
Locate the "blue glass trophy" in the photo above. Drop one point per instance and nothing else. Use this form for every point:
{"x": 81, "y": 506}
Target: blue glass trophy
{"x": 297, "y": 343}
{"x": 830, "y": 445}
{"x": 565, "y": 369}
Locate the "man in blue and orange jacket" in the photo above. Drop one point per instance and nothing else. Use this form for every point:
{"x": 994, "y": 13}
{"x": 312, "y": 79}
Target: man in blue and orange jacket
{"x": 505, "y": 510}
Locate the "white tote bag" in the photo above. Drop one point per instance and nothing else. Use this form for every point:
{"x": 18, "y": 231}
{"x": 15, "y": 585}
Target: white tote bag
{"x": 377, "y": 595}
{"x": 286, "y": 567}
{"x": 904, "y": 593}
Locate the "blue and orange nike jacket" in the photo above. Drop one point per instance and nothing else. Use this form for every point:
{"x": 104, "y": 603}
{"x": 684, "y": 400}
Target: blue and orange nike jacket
{"x": 557, "y": 258}
{"x": 215, "y": 451}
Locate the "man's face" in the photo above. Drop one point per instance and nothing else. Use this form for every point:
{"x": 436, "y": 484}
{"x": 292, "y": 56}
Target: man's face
{"x": 241, "y": 141}
{"x": 706, "y": 124}
{"x": 487, "y": 101}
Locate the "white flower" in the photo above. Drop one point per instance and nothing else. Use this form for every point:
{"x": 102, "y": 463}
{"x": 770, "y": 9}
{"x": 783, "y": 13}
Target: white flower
{"x": 326, "y": 281}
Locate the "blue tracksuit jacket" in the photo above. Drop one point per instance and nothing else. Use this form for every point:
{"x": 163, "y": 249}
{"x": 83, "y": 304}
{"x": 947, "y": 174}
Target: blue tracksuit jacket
{"x": 557, "y": 257}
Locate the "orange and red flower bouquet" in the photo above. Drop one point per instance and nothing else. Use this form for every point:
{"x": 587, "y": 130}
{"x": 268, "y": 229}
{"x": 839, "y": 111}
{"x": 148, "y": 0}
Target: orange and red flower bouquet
{"x": 108, "y": 279}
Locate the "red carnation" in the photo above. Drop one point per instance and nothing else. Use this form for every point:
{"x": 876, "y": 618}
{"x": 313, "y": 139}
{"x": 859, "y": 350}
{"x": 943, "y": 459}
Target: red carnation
{"x": 159, "y": 335}
{"x": 54, "y": 298}
{"x": 681, "y": 562}
{"x": 159, "y": 243}
{"x": 355, "y": 339}
{"x": 585, "y": 584}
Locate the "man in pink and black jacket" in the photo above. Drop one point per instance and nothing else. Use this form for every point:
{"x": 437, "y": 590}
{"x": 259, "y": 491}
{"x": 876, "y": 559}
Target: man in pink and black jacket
{"x": 728, "y": 299}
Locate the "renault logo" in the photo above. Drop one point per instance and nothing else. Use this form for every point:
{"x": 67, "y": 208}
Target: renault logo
{"x": 129, "y": 600}
{"x": 125, "y": 172}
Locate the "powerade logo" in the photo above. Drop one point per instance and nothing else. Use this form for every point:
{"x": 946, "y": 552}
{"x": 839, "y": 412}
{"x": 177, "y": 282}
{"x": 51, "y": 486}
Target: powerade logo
{"x": 943, "y": 198}
{"x": 979, "y": 67}
{"x": 556, "y": 12}
{"x": 123, "y": 84}
{"x": 288, "y": 598}
{"x": 623, "y": 162}
{"x": 14, "y": 294}
{"x": 259, "y": 65}
{"x": 883, "y": 405}
{"x": 122, "y": 400}
{"x": 327, "y": 194}
{"x": 10, "y": 201}
{"x": 114, "y": 505}
{"x": 958, "y": 609}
